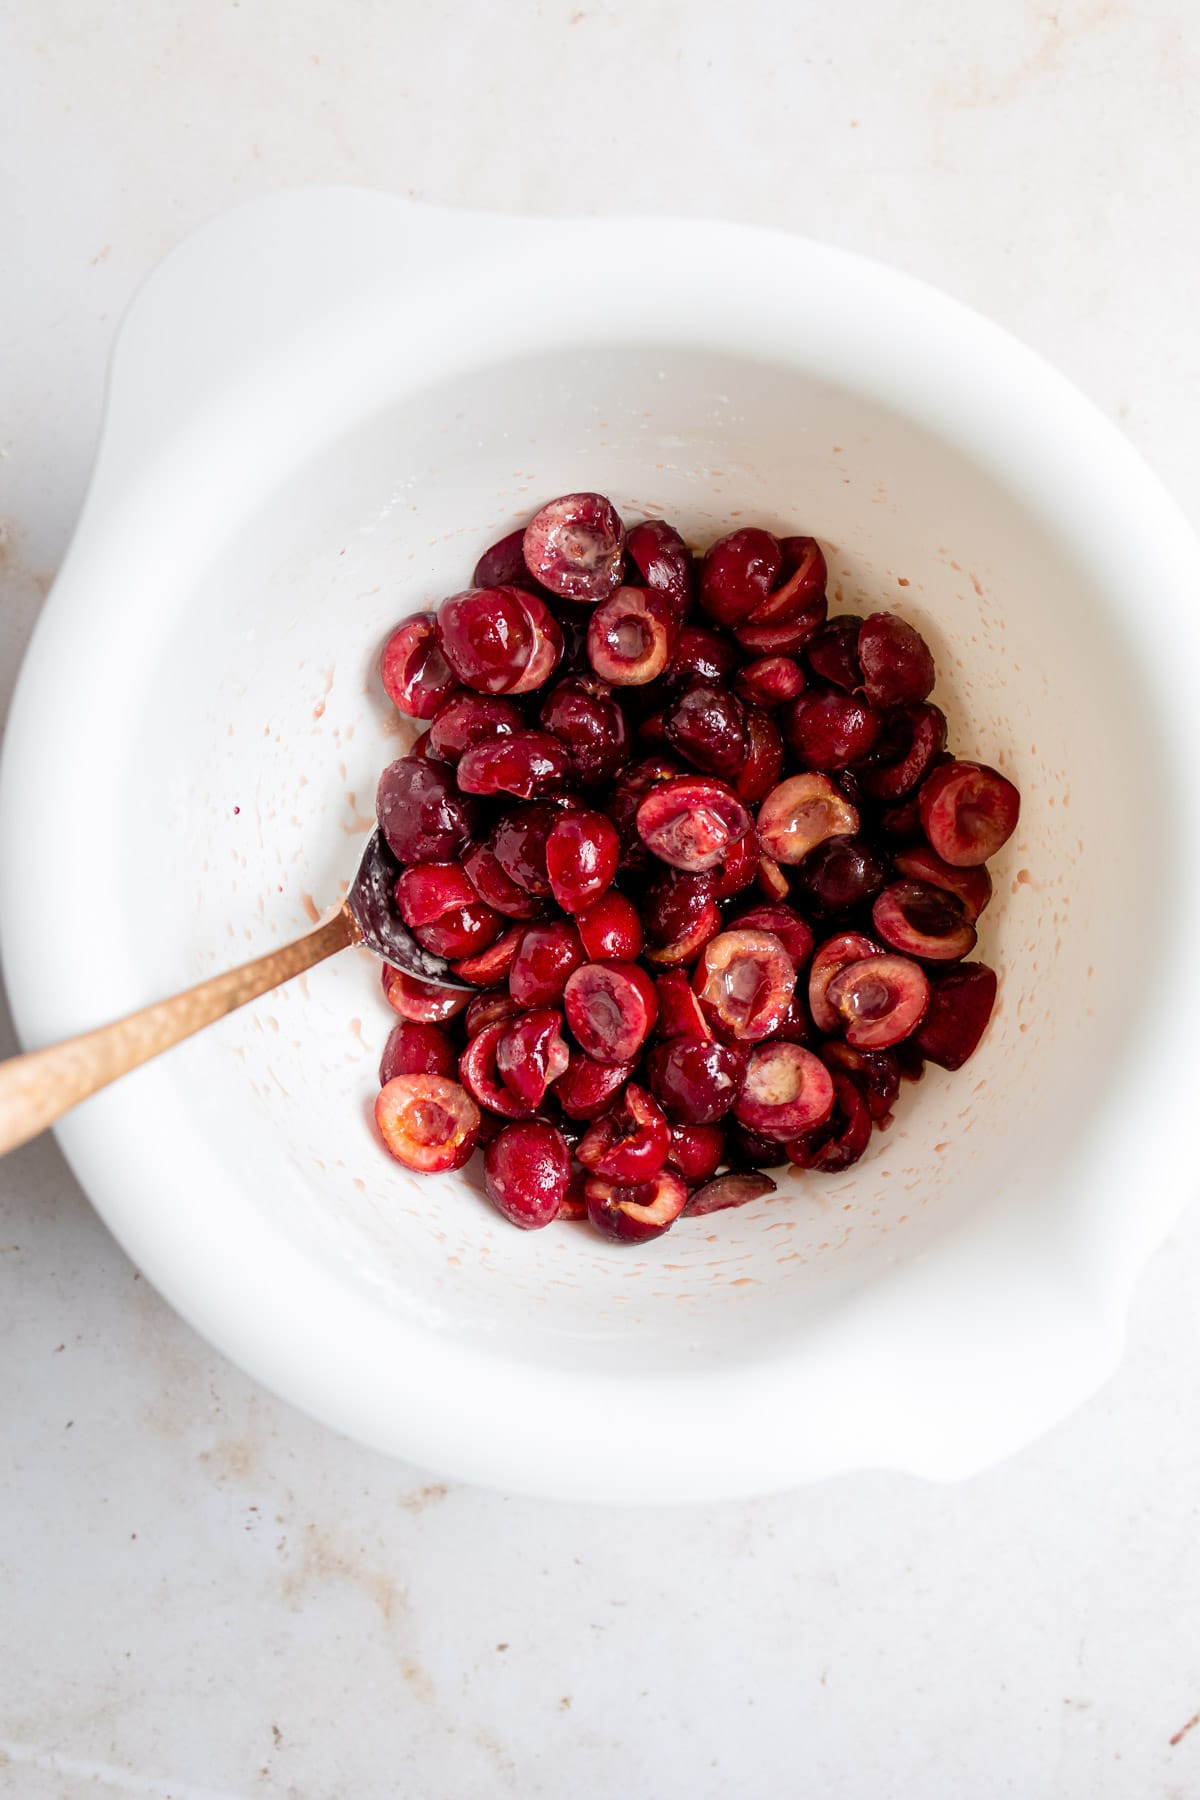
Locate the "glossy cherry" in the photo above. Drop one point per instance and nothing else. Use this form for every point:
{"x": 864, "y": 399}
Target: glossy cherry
{"x": 610, "y": 929}
{"x": 690, "y": 822}
{"x": 633, "y": 1215}
{"x": 695, "y": 1080}
{"x": 415, "y": 1049}
{"x": 897, "y": 668}
{"x": 630, "y": 1143}
{"x": 416, "y": 676}
{"x": 526, "y": 1171}
{"x": 546, "y": 957}
{"x": 581, "y": 859}
{"x": 421, "y": 814}
{"x": 591, "y": 727}
{"x": 801, "y": 813}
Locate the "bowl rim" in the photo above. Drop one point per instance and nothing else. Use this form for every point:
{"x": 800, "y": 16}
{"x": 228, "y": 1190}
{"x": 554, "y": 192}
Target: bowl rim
{"x": 692, "y": 1436}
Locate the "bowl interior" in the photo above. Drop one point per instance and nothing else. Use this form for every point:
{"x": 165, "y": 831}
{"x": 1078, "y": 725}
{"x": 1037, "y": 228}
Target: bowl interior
{"x": 250, "y": 787}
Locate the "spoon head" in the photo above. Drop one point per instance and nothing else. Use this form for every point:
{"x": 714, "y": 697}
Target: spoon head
{"x": 372, "y": 903}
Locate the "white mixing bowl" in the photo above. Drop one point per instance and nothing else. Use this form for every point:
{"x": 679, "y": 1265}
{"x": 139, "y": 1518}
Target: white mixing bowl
{"x": 323, "y": 407}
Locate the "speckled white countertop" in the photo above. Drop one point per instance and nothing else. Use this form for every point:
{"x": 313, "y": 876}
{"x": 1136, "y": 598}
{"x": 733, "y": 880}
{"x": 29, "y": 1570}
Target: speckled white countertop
{"x": 202, "y": 1594}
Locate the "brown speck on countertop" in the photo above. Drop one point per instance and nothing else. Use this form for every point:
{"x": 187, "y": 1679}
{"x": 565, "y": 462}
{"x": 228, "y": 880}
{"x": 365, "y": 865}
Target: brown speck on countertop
{"x": 502, "y": 1646}
{"x": 975, "y": 583}
{"x": 564, "y": 1704}
{"x": 310, "y": 907}
{"x": 1184, "y": 1729}
{"x": 277, "y": 1735}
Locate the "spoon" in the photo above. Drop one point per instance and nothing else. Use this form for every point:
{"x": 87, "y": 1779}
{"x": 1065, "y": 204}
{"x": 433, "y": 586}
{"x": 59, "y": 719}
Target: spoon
{"x": 39, "y": 1087}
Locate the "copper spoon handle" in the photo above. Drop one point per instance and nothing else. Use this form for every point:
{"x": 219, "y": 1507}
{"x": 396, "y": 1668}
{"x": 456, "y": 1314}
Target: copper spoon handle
{"x": 38, "y": 1088}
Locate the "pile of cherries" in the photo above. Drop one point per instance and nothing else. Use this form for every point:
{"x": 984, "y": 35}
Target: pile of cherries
{"x": 702, "y": 853}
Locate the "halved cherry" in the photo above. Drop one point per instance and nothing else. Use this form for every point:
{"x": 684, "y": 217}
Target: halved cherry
{"x": 770, "y": 680}
{"x": 744, "y": 982}
{"x": 531, "y": 1055}
{"x": 839, "y": 1143}
{"x": 800, "y": 814}
{"x": 633, "y": 1215}
{"x": 415, "y": 1049}
{"x": 969, "y": 811}
{"x": 574, "y": 546}
{"x": 912, "y": 739}
{"x": 960, "y": 1005}
{"x": 489, "y": 1009}
{"x": 738, "y": 574}
{"x": 583, "y": 715}
{"x": 879, "y": 1001}
{"x": 732, "y": 1189}
{"x": 581, "y": 859}
{"x": 479, "y": 1075}
{"x": 631, "y": 636}
{"x": 783, "y": 922}
{"x": 839, "y": 875}
{"x": 739, "y": 870}
{"x": 503, "y": 563}
{"x": 694, "y": 1079}
{"x": 487, "y": 637}
{"x": 662, "y": 559}
{"x": 422, "y": 1001}
{"x": 490, "y": 968}
{"x": 679, "y": 1012}
{"x": 696, "y": 1151}
{"x": 416, "y": 676}
{"x": 764, "y": 757}
{"x": 832, "y": 654}
{"x": 691, "y": 821}
{"x": 588, "y": 1088}
{"x": 787, "y": 1091}
{"x": 630, "y": 1143}
{"x": 920, "y": 920}
{"x": 546, "y": 956}
{"x": 526, "y": 1171}
{"x": 973, "y": 886}
{"x": 461, "y": 931}
{"x": 426, "y": 1122}
{"x": 525, "y": 763}
{"x": 611, "y": 1008}
{"x": 897, "y": 668}
{"x": 707, "y": 726}
{"x": 610, "y": 929}
{"x": 831, "y": 956}
{"x": 425, "y": 891}
{"x": 421, "y": 814}
{"x": 493, "y": 884}
{"x": 830, "y": 730}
